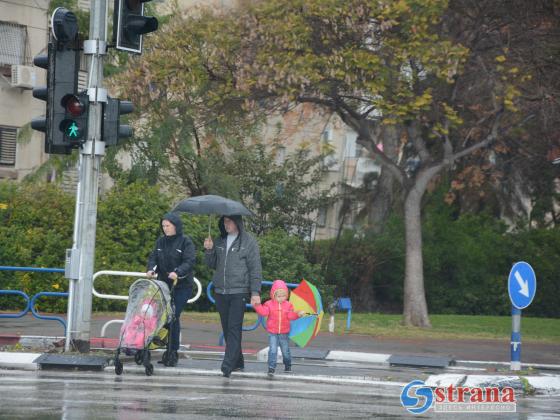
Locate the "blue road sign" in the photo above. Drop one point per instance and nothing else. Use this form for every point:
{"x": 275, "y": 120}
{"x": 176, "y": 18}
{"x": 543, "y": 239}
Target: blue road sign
{"x": 522, "y": 285}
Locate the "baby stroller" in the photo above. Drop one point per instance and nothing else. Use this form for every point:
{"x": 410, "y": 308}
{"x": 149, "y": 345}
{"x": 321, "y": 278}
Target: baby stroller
{"x": 146, "y": 326}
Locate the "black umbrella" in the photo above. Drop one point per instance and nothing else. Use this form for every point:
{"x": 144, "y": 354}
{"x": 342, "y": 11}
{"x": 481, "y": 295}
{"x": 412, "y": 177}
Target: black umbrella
{"x": 212, "y": 204}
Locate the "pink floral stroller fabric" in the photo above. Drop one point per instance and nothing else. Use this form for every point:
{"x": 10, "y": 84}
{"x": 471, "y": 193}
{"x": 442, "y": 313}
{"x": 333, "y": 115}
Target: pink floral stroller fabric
{"x": 148, "y": 310}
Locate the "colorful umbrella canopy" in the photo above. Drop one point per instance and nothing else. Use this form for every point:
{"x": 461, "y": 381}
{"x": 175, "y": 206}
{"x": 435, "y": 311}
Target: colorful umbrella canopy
{"x": 306, "y": 298}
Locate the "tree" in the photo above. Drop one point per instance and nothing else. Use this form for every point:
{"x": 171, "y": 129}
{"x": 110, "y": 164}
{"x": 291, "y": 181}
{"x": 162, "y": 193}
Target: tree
{"x": 368, "y": 62}
{"x": 513, "y": 178}
{"x": 197, "y": 137}
{"x": 392, "y": 71}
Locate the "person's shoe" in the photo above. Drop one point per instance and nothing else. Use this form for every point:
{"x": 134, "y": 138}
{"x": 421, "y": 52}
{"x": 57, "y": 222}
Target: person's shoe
{"x": 288, "y": 369}
{"x": 172, "y": 362}
{"x": 239, "y": 369}
{"x": 226, "y": 373}
{"x": 270, "y": 372}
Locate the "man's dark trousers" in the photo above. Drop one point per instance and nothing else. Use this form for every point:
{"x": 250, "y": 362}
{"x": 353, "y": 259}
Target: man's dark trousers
{"x": 232, "y": 309}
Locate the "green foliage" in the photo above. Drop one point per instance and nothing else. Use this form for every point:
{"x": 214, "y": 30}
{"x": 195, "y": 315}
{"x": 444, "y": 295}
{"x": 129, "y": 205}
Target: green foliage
{"x": 283, "y": 257}
{"x": 35, "y": 230}
{"x": 282, "y": 195}
{"x": 467, "y": 258}
{"x": 366, "y": 267}
{"x": 540, "y": 248}
{"x": 465, "y": 262}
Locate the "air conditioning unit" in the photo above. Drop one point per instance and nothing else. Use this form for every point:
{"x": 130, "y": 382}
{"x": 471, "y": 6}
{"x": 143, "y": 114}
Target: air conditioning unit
{"x": 23, "y": 77}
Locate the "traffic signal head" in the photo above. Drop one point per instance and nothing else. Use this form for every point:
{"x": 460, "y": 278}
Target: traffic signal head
{"x": 129, "y": 24}
{"x": 62, "y": 65}
{"x": 113, "y": 130}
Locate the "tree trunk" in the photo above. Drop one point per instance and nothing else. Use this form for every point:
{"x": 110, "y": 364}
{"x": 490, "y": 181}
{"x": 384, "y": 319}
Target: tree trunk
{"x": 382, "y": 202}
{"x": 415, "y": 307}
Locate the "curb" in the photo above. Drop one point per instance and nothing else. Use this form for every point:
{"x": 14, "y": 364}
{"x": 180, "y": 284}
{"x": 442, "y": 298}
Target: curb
{"x": 543, "y": 385}
{"x": 547, "y": 384}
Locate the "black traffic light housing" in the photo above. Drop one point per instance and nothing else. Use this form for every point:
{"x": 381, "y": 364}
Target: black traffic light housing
{"x": 129, "y": 24}
{"x": 113, "y": 130}
{"x": 62, "y": 65}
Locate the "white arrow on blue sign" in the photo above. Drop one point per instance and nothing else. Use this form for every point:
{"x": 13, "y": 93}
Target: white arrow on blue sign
{"x": 522, "y": 285}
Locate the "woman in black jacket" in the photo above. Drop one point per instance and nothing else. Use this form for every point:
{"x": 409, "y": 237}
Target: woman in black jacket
{"x": 173, "y": 259}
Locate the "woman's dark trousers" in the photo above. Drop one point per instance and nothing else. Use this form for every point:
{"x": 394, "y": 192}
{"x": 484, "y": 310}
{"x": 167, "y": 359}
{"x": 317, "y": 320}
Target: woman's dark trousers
{"x": 180, "y": 298}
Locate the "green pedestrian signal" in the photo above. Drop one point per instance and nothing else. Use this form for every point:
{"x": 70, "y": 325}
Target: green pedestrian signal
{"x": 72, "y": 131}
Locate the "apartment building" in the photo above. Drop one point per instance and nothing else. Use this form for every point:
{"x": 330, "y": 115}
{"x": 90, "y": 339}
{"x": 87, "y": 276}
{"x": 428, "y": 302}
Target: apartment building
{"x": 23, "y": 34}
{"x": 346, "y": 165}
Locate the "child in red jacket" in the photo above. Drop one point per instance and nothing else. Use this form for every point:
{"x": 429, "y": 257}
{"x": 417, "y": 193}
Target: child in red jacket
{"x": 279, "y": 313}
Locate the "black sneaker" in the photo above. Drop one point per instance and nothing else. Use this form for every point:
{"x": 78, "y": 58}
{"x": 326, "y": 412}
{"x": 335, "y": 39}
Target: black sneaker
{"x": 288, "y": 369}
{"x": 270, "y": 372}
{"x": 226, "y": 373}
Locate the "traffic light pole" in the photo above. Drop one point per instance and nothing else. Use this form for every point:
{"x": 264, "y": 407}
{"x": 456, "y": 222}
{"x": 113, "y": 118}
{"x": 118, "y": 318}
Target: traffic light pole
{"x": 83, "y": 250}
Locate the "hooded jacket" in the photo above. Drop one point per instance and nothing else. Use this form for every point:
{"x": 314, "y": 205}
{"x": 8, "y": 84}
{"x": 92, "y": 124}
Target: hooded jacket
{"x": 278, "y": 314}
{"x": 173, "y": 253}
{"x": 239, "y": 269}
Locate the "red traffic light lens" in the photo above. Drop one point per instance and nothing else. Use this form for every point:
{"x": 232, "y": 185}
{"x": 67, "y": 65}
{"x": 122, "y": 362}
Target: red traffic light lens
{"x": 73, "y": 105}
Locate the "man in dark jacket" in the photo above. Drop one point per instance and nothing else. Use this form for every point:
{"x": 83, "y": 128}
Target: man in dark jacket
{"x": 236, "y": 258}
{"x": 173, "y": 259}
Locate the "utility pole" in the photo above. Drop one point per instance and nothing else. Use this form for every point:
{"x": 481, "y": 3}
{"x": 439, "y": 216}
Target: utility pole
{"x": 83, "y": 250}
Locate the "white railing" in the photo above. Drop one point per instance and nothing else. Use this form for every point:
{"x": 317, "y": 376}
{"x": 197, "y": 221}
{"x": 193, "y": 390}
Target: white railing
{"x": 120, "y": 297}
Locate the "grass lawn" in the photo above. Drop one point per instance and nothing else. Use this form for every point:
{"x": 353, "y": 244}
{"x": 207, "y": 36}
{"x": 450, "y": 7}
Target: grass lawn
{"x": 443, "y": 326}
{"x": 452, "y": 327}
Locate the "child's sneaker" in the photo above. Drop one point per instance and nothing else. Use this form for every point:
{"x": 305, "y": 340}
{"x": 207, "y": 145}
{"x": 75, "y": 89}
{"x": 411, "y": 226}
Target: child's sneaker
{"x": 270, "y": 372}
{"x": 288, "y": 369}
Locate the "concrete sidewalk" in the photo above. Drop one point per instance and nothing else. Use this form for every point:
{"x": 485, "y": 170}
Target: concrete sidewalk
{"x": 342, "y": 358}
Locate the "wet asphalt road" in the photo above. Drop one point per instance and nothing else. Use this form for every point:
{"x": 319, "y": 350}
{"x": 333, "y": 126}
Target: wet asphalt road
{"x": 102, "y": 395}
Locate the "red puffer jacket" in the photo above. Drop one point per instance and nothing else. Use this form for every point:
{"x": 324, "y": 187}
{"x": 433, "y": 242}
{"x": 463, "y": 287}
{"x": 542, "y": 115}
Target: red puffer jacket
{"x": 278, "y": 314}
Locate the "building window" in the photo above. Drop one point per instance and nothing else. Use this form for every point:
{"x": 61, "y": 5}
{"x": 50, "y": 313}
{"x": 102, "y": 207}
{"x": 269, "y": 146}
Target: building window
{"x": 330, "y": 160}
{"x": 322, "y": 217}
{"x": 8, "y": 146}
{"x": 280, "y": 155}
{"x": 13, "y": 38}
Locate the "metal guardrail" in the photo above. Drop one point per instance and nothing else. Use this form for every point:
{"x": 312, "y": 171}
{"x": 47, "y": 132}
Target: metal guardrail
{"x": 260, "y": 319}
{"x": 20, "y": 293}
{"x": 121, "y": 297}
{"x": 30, "y": 305}
{"x": 46, "y": 317}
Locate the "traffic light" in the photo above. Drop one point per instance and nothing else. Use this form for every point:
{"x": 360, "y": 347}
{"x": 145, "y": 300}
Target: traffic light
{"x": 62, "y": 65}
{"x": 129, "y": 24}
{"x": 113, "y": 130}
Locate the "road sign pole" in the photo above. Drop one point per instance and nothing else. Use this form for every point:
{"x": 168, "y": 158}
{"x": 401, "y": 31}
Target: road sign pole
{"x": 522, "y": 286}
{"x": 90, "y": 169}
{"x": 515, "y": 339}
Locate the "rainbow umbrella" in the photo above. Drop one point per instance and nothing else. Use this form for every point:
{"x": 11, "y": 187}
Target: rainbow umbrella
{"x": 306, "y": 298}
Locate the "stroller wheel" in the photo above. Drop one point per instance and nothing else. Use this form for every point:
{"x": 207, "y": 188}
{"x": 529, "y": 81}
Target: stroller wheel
{"x": 118, "y": 367}
{"x": 149, "y": 369}
{"x": 139, "y": 357}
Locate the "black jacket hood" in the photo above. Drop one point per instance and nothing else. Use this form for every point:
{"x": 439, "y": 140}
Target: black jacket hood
{"x": 176, "y": 220}
{"x": 238, "y": 222}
